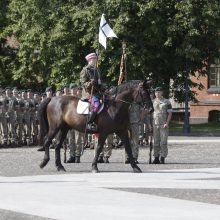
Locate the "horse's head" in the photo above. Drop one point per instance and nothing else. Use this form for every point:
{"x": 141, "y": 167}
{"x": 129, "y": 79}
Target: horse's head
{"x": 142, "y": 96}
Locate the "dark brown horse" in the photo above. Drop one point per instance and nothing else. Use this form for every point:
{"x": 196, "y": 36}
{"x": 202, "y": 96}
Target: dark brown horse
{"x": 59, "y": 114}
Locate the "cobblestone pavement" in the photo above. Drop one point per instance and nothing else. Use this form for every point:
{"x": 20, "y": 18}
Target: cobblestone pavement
{"x": 193, "y": 161}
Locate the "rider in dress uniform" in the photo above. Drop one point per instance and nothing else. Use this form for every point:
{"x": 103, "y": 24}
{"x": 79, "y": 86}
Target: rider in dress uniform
{"x": 90, "y": 79}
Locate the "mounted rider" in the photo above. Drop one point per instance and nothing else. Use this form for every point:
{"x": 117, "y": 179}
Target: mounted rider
{"x": 90, "y": 79}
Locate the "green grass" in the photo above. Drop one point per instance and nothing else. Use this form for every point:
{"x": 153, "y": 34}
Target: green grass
{"x": 208, "y": 127}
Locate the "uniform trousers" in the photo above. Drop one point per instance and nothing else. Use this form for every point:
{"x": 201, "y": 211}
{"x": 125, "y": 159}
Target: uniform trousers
{"x": 160, "y": 135}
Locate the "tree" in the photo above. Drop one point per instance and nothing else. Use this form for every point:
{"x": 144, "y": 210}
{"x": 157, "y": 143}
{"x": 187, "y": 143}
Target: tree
{"x": 161, "y": 36}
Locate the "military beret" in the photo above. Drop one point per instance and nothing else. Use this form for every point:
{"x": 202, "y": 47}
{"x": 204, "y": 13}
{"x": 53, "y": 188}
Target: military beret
{"x": 49, "y": 89}
{"x": 91, "y": 56}
{"x": 157, "y": 89}
{"x": 29, "y": 90}
{"x": 8, "y": 88}
{"x": 73, "y": 85}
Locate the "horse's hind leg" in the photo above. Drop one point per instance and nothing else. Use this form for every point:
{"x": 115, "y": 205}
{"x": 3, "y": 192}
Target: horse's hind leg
{"x": 47, "y": 143}
{"x": 125, "y": 139}
{"x": 98, "y": 150}
{"x": 62, "y": 136}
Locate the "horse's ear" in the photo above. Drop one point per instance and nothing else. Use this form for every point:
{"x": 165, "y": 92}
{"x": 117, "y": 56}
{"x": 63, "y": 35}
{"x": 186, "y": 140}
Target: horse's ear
{"x": 148, "y": 83}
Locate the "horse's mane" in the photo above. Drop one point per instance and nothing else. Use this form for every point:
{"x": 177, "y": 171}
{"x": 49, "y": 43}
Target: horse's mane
{"x": 123, "y": 87}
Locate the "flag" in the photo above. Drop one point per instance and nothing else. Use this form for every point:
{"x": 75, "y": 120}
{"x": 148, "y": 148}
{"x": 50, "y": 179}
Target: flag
{"x": 105, "y": 31}
{"x": 123, "y": 69}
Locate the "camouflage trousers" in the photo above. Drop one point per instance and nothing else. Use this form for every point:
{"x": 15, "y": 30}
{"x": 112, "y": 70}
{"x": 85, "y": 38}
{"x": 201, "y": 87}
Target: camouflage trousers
{"x": 20, "y": 127}
{"x": 3, "y": 128}
{"x": 75, "y": 140}
{"x": 12, "y": 126}
{"x": 160, "y": 135}
{"x": 107, "y": 148}
{"x": 134, "y": 140}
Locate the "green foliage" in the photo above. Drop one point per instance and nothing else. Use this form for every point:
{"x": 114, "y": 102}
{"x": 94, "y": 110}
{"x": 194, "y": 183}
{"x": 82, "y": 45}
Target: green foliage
{"x": 163, "y": 37}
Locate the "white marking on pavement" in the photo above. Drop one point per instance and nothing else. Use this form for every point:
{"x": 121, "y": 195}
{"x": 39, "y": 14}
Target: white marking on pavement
{"x": 194, "y": 141}
{"x": 82, "y": 196}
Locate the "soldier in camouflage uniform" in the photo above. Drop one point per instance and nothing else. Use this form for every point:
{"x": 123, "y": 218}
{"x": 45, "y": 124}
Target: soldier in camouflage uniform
{"x": 161, "y": 119}
{"x": 75, "y": 138}
{"x": 3, "y": 119}
{"x": 11, "y": 113}
{"x": 28, "y": 116}
{"x": 134, "y": 119}
{"x": 20, "y": 119}
{"x": 36, "y": 101}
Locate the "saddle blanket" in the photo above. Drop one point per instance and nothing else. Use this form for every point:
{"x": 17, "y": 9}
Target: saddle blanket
{"x": 83, "y": 107}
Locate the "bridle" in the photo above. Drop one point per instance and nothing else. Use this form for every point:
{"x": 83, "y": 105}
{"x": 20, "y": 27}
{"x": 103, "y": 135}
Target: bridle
{"x": 142, "y": 103}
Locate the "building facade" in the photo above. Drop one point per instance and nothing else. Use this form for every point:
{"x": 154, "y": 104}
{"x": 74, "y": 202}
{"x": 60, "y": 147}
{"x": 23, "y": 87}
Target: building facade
{"x": 208, "y": 107}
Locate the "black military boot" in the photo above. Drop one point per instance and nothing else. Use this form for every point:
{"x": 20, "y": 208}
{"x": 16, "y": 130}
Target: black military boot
{"x": 100, "y": 159}
{"x": 136, "y": 161}
{"x": 77, "y": 159}
{"x": 91, "y": 126}
{"x": 41, "y": 149}
{"x": 71, "y": 160}
{"x": 162, "y": 160}
{"x": 156, "y": 160}
{"x": 105, "y": 159}
{"x": 127, "y": 161}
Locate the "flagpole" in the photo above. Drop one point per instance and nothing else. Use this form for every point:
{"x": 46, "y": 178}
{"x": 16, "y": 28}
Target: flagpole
{"x": 123, "y": 65}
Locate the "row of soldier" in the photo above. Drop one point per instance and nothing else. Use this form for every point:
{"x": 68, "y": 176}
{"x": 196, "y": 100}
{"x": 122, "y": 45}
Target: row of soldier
{"x": 19, "y": 123}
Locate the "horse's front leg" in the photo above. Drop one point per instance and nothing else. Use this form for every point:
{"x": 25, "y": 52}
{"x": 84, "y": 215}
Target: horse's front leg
{"x": 98, "y": 150}
{"x": 125, "y": 139}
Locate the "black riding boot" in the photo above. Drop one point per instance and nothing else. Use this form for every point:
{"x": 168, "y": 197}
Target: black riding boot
{"x": 156, "y": 160}
{"x": 162, "y": 160}
{"x": 91, "y": 126}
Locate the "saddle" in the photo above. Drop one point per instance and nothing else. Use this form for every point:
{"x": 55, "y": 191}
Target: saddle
{"x": 83, "y": 107}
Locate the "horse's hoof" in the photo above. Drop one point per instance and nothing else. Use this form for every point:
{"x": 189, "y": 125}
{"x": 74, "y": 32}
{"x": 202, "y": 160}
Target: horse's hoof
{"x": 43, "y": 164}
{"x": 61, "y": 168}
{"x": 95, "y": 171}
{"x": 137, "y": 170}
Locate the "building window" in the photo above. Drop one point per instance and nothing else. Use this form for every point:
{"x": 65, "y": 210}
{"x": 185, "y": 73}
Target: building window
{"x": 214, "y": 77}
{"x": 214, "y": 116}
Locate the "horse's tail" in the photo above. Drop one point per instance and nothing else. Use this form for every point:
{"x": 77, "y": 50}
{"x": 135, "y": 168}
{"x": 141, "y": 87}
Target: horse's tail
{"x": 43, "y": 121}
